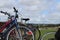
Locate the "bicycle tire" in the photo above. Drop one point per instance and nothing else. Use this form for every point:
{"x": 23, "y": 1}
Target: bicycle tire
{"x": 7, "y": 37}
{"x": 37, "y": 34}
{"x": 48, "y": 36}
{"x": 36, "y": 31}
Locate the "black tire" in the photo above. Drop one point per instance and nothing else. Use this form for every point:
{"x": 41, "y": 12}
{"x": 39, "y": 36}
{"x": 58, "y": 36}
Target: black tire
{"x": 36, "y": 31}
{"x": 37, "y": 34}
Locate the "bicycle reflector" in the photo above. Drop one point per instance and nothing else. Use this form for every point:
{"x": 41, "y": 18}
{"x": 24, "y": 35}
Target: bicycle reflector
{"x": 29, "y": 33}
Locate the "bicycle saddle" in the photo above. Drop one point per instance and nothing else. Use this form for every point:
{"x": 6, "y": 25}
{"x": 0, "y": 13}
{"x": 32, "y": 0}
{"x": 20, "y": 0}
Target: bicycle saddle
{"x": 26, "y": 19}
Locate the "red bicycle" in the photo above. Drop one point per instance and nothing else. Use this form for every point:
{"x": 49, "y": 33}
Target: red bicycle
{"x": 11, "y": 30}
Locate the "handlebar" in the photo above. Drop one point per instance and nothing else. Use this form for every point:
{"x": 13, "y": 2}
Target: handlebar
{"x": 5, "y": 13}
{"x": 16, "y": 15}
{"x": 15, "y": 10}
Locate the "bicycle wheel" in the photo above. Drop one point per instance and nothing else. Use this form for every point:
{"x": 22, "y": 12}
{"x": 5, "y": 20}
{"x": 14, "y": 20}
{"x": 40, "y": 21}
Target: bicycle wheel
{"x": 36, "y": 31}
{"x": 26, "y": 34}
{"x": 37, "y": 34}
{"x": 48, "y": 36}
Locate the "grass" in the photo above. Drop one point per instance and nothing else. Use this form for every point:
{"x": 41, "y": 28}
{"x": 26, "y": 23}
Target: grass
{"x": 46, "y": 30}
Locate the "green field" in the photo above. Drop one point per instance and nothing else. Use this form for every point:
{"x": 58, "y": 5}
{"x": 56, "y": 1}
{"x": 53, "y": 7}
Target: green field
{"x": 46, "y": 30}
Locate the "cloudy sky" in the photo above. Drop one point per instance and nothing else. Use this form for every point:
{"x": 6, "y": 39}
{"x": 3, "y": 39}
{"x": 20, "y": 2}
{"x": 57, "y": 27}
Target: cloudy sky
{"x": 39, "y": 11}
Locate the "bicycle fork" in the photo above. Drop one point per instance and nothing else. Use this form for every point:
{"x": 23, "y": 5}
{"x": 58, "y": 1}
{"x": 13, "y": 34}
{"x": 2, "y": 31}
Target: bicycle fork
{"x": 18, "y": 33}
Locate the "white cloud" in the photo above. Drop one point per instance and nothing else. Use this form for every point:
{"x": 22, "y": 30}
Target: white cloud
{"x": 34, "y": 9}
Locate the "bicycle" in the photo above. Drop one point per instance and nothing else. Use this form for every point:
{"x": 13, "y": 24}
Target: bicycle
{"x": 47, "y": 36}
{"x": 36, "y": 31}
{"x": 11, "y": 30}
{"x": 50, "y": 35}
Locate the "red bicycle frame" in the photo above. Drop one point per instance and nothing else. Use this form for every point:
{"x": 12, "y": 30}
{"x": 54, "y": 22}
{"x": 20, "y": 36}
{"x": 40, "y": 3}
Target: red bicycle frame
{"x": 5, "y": 25}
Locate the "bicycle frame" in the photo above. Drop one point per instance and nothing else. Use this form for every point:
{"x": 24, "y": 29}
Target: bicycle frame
{"x": 8, "y": 25}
